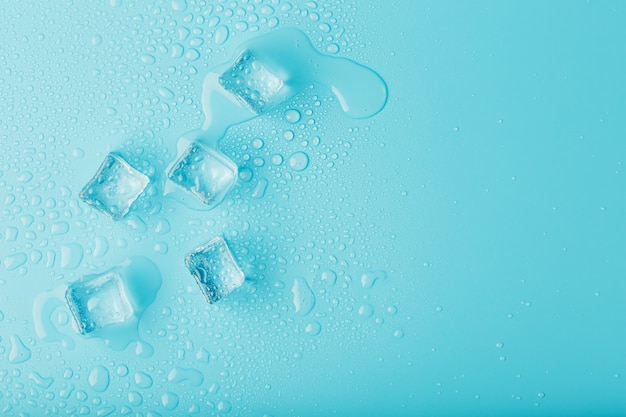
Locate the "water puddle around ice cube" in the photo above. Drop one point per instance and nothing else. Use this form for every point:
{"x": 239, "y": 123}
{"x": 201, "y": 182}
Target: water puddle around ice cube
{"x": 265, "y": 72}
{"x": 139, "y": 282}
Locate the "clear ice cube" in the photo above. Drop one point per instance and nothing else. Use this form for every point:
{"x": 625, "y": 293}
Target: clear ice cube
{"x": 205, "y": 172}
{"x": 98, "y": 302}
{"x": 252, "y": 83}
{"x": 115, "y": 187}
{"x": 215, "y": 269}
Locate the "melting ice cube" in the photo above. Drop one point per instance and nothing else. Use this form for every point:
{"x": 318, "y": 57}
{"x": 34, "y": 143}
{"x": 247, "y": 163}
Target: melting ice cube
{"x": 98, "y": 302}
{"x": 115, "y": 187}
{"x": 205, "y": 172}
{"x": 215, "y": 269}
{"x": 252, "y": 83}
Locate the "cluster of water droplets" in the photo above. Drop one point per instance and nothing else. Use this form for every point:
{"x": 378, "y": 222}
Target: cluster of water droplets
{"x": 128, "y": 77}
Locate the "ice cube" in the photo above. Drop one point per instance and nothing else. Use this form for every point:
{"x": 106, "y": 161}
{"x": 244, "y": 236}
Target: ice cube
{"x": 215, "y": 269}
{"x": 115, "y": 187}
{"x": 98, "y": 302}
{"x": 252, "y": 83}
{"x": 205, "y": 172}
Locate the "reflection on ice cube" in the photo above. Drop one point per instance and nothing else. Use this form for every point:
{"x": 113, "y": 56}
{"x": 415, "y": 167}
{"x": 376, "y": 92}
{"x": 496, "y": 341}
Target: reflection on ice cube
{"x": 205, "y": 172}
{"x": 252, "y": 83}
{"x": 215, "y": 269}
{"x": 115, "y": 187}
{"x": 98, "y": 302}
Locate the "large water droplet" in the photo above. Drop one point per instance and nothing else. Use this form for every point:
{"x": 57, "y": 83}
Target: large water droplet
{"x": 299, "y": 161}
{"x": 99, "y": 378}
{"x": 303, "y": 298}
{"x": 71, "y": 255}
{"x": 19, "y": 352}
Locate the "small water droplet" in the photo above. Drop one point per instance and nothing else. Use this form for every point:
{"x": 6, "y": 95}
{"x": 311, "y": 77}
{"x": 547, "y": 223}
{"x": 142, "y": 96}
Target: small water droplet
{"x": 313, "y": 329}
{"x": 166, "y": 93}
{"x": 328, "y": 277}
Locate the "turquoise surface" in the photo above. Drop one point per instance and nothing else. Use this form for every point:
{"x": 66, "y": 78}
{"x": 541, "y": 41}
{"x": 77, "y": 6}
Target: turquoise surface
{"x": 460, "y": 252}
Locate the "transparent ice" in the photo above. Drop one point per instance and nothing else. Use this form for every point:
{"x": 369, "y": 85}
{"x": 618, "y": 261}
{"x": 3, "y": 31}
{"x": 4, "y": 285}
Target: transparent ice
{"x": 98, "y": 302}
{"x": 205, "y": 172}
{"x": 252, "y": 83}
{"x": 115, "y": 187}
{"x": 215, "y": 269}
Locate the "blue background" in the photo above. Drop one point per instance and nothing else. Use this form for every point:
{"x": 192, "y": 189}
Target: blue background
{"x": 490, "y": 190}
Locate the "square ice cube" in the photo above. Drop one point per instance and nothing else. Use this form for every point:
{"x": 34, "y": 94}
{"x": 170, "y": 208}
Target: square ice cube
{"x": 215, "y": 269}
{"x": 252, "y": 83}
{"x": 98, "y": 302}
{"x": 205, "y": 172}
{"x": 115, "y": 187}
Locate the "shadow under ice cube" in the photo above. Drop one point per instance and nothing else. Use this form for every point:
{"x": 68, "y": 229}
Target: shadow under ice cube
{"x": 115, "y": 187}
{"x": 98, "y": 302}
{"x": 205, "y": 172}
{"x": 215, "y": 269}
{"x": 252, "y": 83}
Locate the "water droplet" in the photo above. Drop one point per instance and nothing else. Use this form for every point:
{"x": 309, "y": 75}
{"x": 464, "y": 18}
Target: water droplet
{"x": 179, "y": 5}
{"x": 177, "y": 50}
{"x": 148, "y": 59}
{"x": 71, "y": 256}
{"x": 161, "y": 248}
{"x": 99, "y": 378}
{"x": 19, "y": 353}
{"x": 299, "y": 161}
{"x": 369, "y": 278}
{"x": 221, "y": 34}
{"x": 143, "y": 380}
{"x": 332, "y": 48}
{"x": 313, "y": 329}
{"x": 122, "y": 370}
{"x": 12, "y": 262}
{"x": 192, "y": 54}
{"x": 169, "y": 400}
{"x": 293, "y": 116}
{"x": 303, "y": 298}
{"x": 40, "y": 381}
{"x": 245, "y": 174}
{"x": 101, "y": 246}
{"x": 179, "y": 375}
{"x": 366, "y": 310}
{"x": 166, "y": 93}
{"x": 11, "y": 233}
{"x": 224, "y": 406}
{"x": 257, "y": 143}
{"x": 203, "y": 355}
{"x": 60, "y": 228}
{"x": 96, "y": 40}
{"x": 328, "y": 277}
{"x": 135, "y": 399}
{"x": 260, "y": 188}
{"x": 277, "y": 159}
